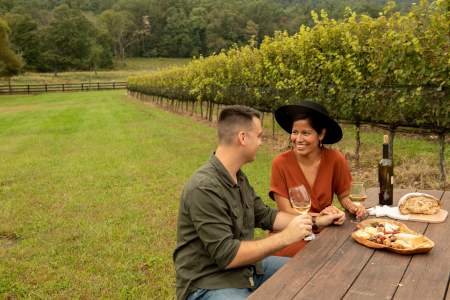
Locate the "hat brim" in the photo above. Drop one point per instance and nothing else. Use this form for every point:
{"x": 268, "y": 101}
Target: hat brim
{"x": 285, "y": 116}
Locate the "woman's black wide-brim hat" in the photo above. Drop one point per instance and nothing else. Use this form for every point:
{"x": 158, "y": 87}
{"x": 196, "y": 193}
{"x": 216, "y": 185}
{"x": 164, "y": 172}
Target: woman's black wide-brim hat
{"x": 285, "y": 116}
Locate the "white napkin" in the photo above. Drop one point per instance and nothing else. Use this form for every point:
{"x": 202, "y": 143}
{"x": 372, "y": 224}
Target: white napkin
{"x": 389, "y": 211}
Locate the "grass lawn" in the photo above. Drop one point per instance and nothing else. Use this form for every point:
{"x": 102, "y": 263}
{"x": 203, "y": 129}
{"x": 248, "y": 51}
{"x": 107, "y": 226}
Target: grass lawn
{"x": 89, "y": 191}
{"x": 121, "y": 71}
{"x": 90, "y": 185}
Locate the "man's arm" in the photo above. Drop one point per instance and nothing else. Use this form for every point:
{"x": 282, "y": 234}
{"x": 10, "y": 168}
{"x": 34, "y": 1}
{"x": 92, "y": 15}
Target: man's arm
{"x": 295, "y": 229}
{"x": 282, "y": 220}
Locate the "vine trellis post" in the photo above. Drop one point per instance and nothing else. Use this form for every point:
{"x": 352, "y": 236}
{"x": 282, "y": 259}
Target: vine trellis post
{"x": 442, "y": 159}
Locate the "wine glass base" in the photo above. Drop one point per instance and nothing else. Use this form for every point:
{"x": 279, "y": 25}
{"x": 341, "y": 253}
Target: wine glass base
{"x": 310, "y": 237}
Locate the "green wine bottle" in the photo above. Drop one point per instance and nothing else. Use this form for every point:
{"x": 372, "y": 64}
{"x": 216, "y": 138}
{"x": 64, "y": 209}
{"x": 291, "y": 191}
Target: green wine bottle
{"x": 386, "y": 176}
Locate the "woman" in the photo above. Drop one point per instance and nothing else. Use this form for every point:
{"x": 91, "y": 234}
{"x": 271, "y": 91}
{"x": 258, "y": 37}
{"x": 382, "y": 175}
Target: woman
{"x": 322, "y": 171}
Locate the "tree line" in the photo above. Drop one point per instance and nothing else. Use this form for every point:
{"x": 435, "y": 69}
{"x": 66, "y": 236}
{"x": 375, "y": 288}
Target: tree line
{"x": 58, "y": 35}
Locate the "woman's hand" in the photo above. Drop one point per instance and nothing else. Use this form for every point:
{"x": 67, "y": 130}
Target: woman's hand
{"x": 330, "y": 210}
{"x": 331, "y": 216}
{"x": 338, "y": 216}
{"x": 360, "y": 211}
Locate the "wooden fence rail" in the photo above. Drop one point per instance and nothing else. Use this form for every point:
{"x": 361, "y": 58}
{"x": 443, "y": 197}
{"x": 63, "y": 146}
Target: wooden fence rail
{"x": 60, "y": 87}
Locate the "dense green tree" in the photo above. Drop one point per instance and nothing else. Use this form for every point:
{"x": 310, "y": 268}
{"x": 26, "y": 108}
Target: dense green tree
{"x": 5, "y": 6}
{"x": 198, "y": 26}
{"x": 10, "y": 63}
{"x": 267, "y": 15}
{"x": 68, "y": 40}
{"x": 225, "y": 28}
{"x": 123, "y": 31}
{"x": 177, "y": 39}
{"x": 25, "y": 37}
{"x": 105, "y": 43}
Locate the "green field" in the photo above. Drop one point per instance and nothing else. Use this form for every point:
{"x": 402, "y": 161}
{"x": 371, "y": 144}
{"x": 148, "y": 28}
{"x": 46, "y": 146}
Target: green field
{"x": 89, "y": 191}
{"x": 89, "y": 185}
{"x": 129, "y": 67}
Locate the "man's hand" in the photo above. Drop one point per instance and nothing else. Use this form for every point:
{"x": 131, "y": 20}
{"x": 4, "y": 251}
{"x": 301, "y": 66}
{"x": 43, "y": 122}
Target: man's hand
{"x": 331, "y": 214}
{"x": 297, "y": 229}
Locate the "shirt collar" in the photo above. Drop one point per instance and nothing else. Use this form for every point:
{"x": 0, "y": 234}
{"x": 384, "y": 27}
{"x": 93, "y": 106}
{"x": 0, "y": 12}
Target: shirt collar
{"x": 223, "y": 172}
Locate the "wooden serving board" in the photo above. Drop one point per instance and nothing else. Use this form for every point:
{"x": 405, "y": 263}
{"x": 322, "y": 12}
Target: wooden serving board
{"x": 436, "y": 218}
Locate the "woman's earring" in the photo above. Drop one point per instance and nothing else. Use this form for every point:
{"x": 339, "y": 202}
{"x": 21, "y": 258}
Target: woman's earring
{"x": 320, "y": 144}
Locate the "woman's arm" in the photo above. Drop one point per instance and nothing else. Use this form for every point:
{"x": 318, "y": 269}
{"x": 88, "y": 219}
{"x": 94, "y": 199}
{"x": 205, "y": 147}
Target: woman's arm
{"x": 358, "y": 210}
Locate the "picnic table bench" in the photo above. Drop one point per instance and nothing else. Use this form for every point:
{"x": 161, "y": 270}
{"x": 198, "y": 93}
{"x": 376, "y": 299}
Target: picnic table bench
{"x": 334, "y": 266}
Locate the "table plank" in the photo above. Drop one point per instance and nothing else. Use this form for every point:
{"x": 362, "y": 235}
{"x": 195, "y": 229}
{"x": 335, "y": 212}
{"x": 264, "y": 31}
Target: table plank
{"x": 381, "y": 276}
{"x": 447, "y": 292}
{"x": 427, "y": 275}
{"x": 338, "y": 274}
{"x": 301, "y": 268}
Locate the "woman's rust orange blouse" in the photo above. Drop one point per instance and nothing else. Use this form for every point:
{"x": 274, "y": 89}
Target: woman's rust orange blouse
{"x": 333, "y": 177}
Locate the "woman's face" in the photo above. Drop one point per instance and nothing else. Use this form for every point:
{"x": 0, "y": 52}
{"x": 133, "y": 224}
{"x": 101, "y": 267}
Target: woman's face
{"x": 304, "y": 138}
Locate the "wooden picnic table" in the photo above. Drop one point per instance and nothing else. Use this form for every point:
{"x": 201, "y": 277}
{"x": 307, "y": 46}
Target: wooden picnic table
{"x": 334, "y": 266}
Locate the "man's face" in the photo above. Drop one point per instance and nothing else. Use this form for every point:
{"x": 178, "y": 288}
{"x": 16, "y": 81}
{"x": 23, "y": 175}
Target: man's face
{"x": 253, "y": 139}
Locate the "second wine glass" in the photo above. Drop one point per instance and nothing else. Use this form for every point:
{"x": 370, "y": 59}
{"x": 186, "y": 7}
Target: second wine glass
{"x": 358, "y": 196}
{"x": 358, "y": 193}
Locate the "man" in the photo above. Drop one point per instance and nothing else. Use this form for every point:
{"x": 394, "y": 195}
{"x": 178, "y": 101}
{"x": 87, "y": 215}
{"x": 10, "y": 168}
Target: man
{"x": 216, "y": 256}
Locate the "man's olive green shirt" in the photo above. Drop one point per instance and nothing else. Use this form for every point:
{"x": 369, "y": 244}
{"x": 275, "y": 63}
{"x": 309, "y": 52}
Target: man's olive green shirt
{"x": 215, "y": 215}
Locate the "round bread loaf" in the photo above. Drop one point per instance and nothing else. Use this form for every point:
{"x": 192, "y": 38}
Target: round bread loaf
{"x": 418, "y": 203}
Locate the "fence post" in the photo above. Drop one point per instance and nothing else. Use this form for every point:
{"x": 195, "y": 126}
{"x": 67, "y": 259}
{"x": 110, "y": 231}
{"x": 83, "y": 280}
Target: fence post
{"x": 46, "y": 88}
{"x": 391, "y": 142}
{"x": 63, "y": 87}
{"x": 358, "y": 142}
{"x": 114, "y": 85}
{"x": 28, "y": 88}
{"x": 98, "y": 85}
{"x": 82, "y": 86}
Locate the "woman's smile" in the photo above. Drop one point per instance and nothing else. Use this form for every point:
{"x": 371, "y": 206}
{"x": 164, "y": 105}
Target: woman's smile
{"x": 301, "y": 146}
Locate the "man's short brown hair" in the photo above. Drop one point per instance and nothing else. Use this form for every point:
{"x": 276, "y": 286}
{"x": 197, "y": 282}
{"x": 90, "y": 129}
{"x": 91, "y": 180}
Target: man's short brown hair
{"x": 233, "y": 119}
